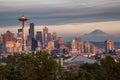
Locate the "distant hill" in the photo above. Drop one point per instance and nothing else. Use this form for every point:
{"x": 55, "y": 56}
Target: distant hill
{"x": 99, "y": 35}
{"x": 98, "y": 32}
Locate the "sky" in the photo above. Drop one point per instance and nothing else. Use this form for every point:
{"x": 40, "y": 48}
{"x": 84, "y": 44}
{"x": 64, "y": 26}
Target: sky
{"x": 66, "y": 17}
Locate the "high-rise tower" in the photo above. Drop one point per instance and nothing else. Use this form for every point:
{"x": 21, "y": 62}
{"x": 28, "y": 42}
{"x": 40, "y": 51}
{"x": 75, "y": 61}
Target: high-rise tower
{"x": 74, "y": 46}
{"x": 87, "y": 47}
{"x": 8, "y": 39}
{"x": 30, "y": 36}
{"x": 54, "y": 36}
{"x": 19, "y": 39}
{"x": 109, "y": 45}
{"x": 45, "y": 36}
{"x": 31, "y": 31}
{"x": 23, "y": 19}
{"x": 1, "y": 39}
{"x": 39, "y": 36}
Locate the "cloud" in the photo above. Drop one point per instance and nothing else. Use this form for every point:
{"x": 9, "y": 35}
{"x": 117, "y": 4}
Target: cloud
{"x": 59, "y": 12}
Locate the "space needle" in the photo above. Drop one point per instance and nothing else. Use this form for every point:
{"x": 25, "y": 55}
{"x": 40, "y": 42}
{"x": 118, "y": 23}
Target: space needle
{"x": 23, "y": 19}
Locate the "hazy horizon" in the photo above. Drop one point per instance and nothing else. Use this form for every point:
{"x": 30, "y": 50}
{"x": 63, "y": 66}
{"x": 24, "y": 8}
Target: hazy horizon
{"x": 67, "y": 18}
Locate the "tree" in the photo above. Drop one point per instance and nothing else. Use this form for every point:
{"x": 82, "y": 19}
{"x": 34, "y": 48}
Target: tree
{"x": 41, "y": 66}
{"x": 4, "y": 72}
{"x": 81, "y": 74}
{"x": 107, "y": 69}
{"x": 31, "y": 66}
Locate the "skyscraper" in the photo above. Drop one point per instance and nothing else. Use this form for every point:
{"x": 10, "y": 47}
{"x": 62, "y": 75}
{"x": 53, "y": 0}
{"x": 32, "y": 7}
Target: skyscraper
{"x": 8, "y": 39}
{"x": 77, "y": 46}
{"x": 1, "y": 44}
{"x": 19, "y": 39}
{"x": 87, "y": 47}
{"x": 80, "y": 45}
{"x": 1, "y": 39}
{"x": 19, "y": 36}
{"x": 30, "y": 36}
{"x": 23, "y": 19}
{"x": 39, "y": 38}
{"x": 74, "y": 46}
{"x": 34, "y": 44}
{"x": 45, "y": 36}
{"x": 39, "y": 46}
{"x": 54, "y": 36}
{"x": 49, "y": 37}
{"x": 93, "y": 49}
{"x": 8, "y": 36}
{"x": 31, "y": 31}
{"x": 51, "y": 46}
{"x": 61, "y": 42}
{"x": 109, "y": 45}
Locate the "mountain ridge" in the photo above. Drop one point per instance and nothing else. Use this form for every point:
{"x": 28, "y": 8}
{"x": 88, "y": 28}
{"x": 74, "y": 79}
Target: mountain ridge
{"x": 99, "y": 35}
{"x": 98, "y": 31}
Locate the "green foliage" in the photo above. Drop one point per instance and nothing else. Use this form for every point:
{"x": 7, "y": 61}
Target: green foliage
{"x": 31, "y": 66}
{"x": 107, "y": 69}
{"x": 40, "y": 66}
{"x": 78, "y": 75}
{"x": 70, "y": 75}
{"x": 4, "y": 70}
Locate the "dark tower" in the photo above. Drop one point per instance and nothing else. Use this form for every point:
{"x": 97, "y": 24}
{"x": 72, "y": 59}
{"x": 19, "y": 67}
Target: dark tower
{"x": 31, "y": 30}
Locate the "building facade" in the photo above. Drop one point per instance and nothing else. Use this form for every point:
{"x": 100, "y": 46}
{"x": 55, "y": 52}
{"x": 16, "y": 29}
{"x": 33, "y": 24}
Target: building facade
{"x": 109, "y": 45}
{"x": 8, "y": 39}
{"x": 30, "y": 36}
{"x": 45, "y": 36}
{"x": 87, "y": 47}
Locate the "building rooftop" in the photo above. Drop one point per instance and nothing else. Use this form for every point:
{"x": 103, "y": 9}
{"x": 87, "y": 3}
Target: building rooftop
{"x": 79, "y": 58}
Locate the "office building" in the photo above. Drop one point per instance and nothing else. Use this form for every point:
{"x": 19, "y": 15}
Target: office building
{"x": 109, "y": 45}
{"x": 80, "y": 46}
{"x": 45, "y": 36}
{"x": 49, "y": 37}
{"x": 31, "y": 30}
{"x": 39, "y": 46}
{"x": 61, "y": 42}
{"x": 87, "y": 47}
{"x": 34, "y": 44}
{"x": 19, "y": 36}
{"x": 30, "y": 36}
{"x": 51, "y": 46}
{"x": 39, "y": 37}
{"x": 77, "y": 46}
{"x": 1, "y": 39}
{"x": 2, "y": 49}
{"x": 8, "y": 39}
{"x": 19, "y": 41}
{"x": 93, "y": 49}
{"x": 74, "y": 46}
{"x": 17, "y": 47}
{"x": 54, "y": 36}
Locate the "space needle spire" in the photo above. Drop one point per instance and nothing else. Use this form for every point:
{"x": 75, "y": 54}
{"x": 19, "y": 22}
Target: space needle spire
{"x": 23, "y": 19}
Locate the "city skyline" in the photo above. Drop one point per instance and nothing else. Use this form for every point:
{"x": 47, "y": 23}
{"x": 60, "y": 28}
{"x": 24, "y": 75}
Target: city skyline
{"x": 59, "y": 39}
{"x": 79, "y": 16}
